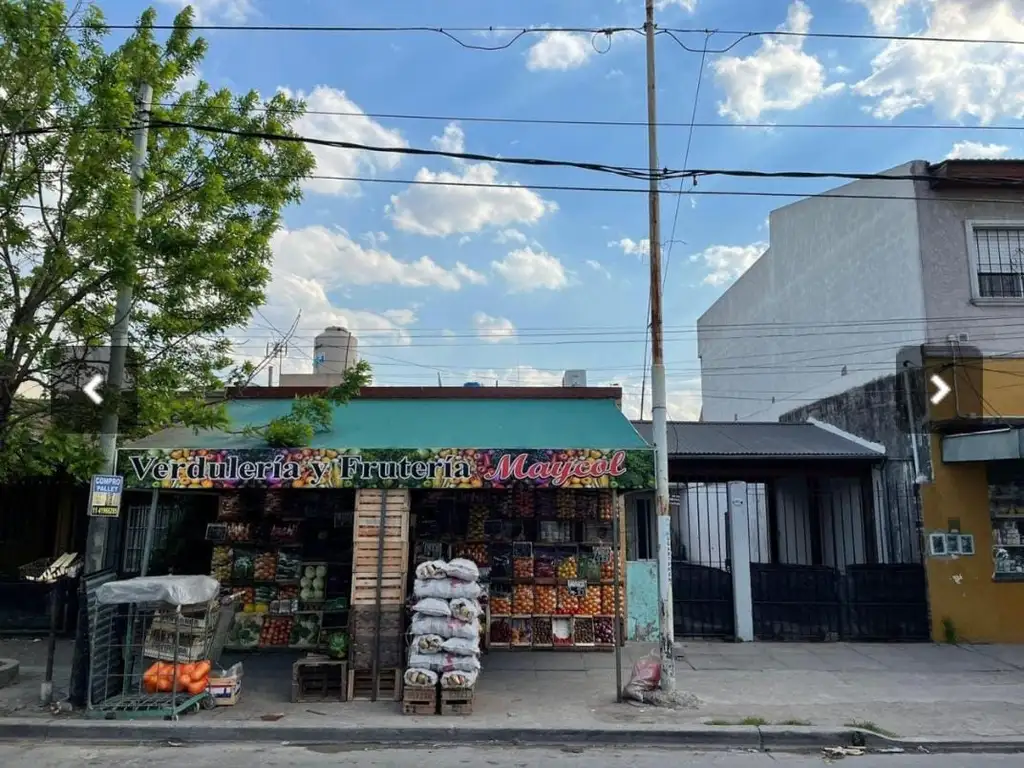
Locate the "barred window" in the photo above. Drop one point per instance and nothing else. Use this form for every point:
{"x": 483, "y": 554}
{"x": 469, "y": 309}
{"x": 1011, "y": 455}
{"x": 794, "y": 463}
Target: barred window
{"x": 999, "y": 254}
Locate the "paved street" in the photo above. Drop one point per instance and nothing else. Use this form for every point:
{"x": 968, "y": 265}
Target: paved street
{"x": 56, "y": 756}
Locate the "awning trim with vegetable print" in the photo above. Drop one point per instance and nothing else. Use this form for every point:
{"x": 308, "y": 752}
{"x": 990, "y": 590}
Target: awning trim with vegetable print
{"x": 319, "y": 468}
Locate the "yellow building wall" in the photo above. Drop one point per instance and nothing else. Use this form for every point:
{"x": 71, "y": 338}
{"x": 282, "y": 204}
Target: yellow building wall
{"x": 961, "y": 589}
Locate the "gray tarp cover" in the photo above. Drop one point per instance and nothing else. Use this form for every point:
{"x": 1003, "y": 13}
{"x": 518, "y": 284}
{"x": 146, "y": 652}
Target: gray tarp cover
{"x": 173, "y": 590}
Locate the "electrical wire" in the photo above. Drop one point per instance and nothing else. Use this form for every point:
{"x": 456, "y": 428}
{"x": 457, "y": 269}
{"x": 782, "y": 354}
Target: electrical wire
{"x": 519, "y": 32}
{"x": 567, "y": 122}
{"x": 624, "y": 171}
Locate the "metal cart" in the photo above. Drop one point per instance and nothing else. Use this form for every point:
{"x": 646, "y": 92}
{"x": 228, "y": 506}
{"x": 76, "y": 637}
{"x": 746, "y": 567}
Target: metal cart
{"x": 138, "y": 622}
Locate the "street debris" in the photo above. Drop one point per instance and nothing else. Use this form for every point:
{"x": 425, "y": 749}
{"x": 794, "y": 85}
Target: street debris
{"x": 838, "y": 753}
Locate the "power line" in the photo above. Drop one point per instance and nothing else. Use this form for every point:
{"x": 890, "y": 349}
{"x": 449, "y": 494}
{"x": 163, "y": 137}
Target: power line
{"x": 625, "y": 171}
{"x": 519, "y": 32}
{"x": 609, "y": 123}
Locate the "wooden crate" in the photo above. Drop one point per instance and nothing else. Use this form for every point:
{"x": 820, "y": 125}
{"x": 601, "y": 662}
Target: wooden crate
{"x": 388, "y": 685}
{"x": 362, "y": 626}
{"x": 456, "y": 701}
{"x": 317, "y": 678}
{"x": 396, "y": 514}
{"x": 417, "y": 700}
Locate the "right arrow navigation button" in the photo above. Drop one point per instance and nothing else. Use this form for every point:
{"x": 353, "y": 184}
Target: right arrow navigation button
{"x": 941, "y": 390}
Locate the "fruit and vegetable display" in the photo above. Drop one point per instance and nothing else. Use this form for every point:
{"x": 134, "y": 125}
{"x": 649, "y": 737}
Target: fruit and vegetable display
{"x": 244, "y": 565}
{"x": 568, "y": 603}
{"x": 246, "y": 630}
{"x": 476, "y": 552}
{"x": 583, "y": 631}
{"x": 522, "y": 631}
{"x": 501, "y": 603}
{"x": 541, "y": 630}
{"x": 239, "y": 532}
{"x": 283, "y": 533}
{"x": 608, "y": 600}
{"x": 313, "y": 584}
{"x": 545, "y": 600}
{"x": 590, "y": 603}
{"x": 162, "y": 677}
{"x": 522, "y": 567}
{"x": 561, "y": 632}
{"x": 265, "y": 566}
{"x": 276, "y": 630}
{"x": 604, "y": 630}
{"x": 501, "y": 632}
{"x": 289, "y": 566}
{"x": 568, "y": 568}
{"x": 522, "y": 599}
{"x": 305, "y": 631}
{"x": 220, "y": 564}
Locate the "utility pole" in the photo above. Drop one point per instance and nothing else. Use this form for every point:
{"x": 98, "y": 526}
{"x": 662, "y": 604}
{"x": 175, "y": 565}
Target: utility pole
{"x": 95, "y": 548}
{"x": 659, "y": 405}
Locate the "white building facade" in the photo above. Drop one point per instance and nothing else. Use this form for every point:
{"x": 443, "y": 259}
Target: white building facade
{"x": 849, "y": 281}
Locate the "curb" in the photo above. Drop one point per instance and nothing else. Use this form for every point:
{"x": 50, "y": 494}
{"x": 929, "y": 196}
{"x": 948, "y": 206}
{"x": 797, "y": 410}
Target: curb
{"x": 9, "y": 669}
{"x": 755, "y": 738}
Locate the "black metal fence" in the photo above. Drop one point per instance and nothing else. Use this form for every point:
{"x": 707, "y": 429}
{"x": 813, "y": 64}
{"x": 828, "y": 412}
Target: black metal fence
{"x": 831, "y": 559}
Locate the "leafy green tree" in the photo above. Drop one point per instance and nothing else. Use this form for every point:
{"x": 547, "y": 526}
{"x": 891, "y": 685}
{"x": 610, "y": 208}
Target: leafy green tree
{"x": 312, "y": 415}
{"x": 199, "y": 258}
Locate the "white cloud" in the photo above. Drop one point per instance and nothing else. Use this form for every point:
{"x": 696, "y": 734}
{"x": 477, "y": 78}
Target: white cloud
{"x": 519, "y": 376}
{"x": 638, "y": 248}
{"x": 206, "y": 11}
{"x": 493, "y": 330}
{"x": 439, "y": 211}
{"x": 727, "y": 262}
{"x": 598, "y": 267}
{"x": 956, "y": 80}
{"x": 452, "y": 140}
{"x": 683, "y": 396}
{"x": 332, "y": 257}
{"x": 401, "y": 316}
{"x": 527, "y": 270}
{"x": 560, "y": 51}
{"x": 885, "y": 14}
{"x": 469, "y": 275}
{"x": 506, "y": 236}
{"x": 780, "y": 75}
{"x": 975, "y": 150}
{"x": 353, "y": 126}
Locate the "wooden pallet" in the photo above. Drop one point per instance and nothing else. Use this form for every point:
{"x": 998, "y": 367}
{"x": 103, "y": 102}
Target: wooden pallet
{"x": 396, "y": 514}
{"x": 317, "y": 678}
{"x": 456, "y": 701}
{"x": 388, "y": 684}
{"x": 419, "y": 701}
{"x": 362, "y": 631}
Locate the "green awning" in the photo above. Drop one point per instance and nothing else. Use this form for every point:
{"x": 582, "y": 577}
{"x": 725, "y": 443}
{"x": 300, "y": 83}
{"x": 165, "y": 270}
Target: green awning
{"x": 382, "y": 424}
{"x": 414, "y": 443}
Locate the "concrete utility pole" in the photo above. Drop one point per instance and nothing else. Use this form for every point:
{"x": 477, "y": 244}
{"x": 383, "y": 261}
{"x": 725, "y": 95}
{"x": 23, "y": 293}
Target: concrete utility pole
{"x": 95, "y": 549}
{"x": 659, "y": 405}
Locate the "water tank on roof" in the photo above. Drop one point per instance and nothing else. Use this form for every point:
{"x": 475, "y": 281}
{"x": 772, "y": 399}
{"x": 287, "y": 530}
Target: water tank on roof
{"x": 334, "y": 351}
{"x": 574, "y": 378}
{"x": 472, "y": 384}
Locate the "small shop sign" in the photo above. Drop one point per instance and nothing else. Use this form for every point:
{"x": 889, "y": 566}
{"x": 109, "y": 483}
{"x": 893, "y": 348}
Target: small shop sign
{"x": 105, "y": 495}
{"x": 445, "y": 469}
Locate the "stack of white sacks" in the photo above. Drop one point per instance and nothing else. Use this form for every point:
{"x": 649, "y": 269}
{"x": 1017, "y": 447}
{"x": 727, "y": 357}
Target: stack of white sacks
{"x": 445, "y": 625}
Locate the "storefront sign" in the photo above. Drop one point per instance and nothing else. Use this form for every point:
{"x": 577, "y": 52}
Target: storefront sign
{"x": 447, "y": 468}
{"x": 105, "y": 495}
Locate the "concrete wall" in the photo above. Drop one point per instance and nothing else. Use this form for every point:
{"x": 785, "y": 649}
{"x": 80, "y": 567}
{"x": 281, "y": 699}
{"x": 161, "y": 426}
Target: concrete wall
{"x": 844, "y": 285}
{"x": 993, "y": 325}
{"x": 839, "y": 276}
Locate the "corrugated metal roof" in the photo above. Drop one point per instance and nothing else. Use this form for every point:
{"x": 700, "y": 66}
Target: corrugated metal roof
{"x": 382, "y": 424}
{"x": 768, "y": 440}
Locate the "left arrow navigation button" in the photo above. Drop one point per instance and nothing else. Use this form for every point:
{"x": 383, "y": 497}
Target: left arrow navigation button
{"x": 90, "y": 389}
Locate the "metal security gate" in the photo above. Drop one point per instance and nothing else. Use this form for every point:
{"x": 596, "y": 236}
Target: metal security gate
{"x": 832, "y": 558}
{"x": 837, "y": 564}
{"x": 702, "y": 591}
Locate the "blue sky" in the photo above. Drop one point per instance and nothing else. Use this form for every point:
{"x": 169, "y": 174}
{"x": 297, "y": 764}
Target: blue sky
{"x": 513, "y": 284}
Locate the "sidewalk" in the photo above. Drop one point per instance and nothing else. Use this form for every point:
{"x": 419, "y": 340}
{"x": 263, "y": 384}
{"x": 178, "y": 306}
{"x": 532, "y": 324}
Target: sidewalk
{"x": 913, "y": 691}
